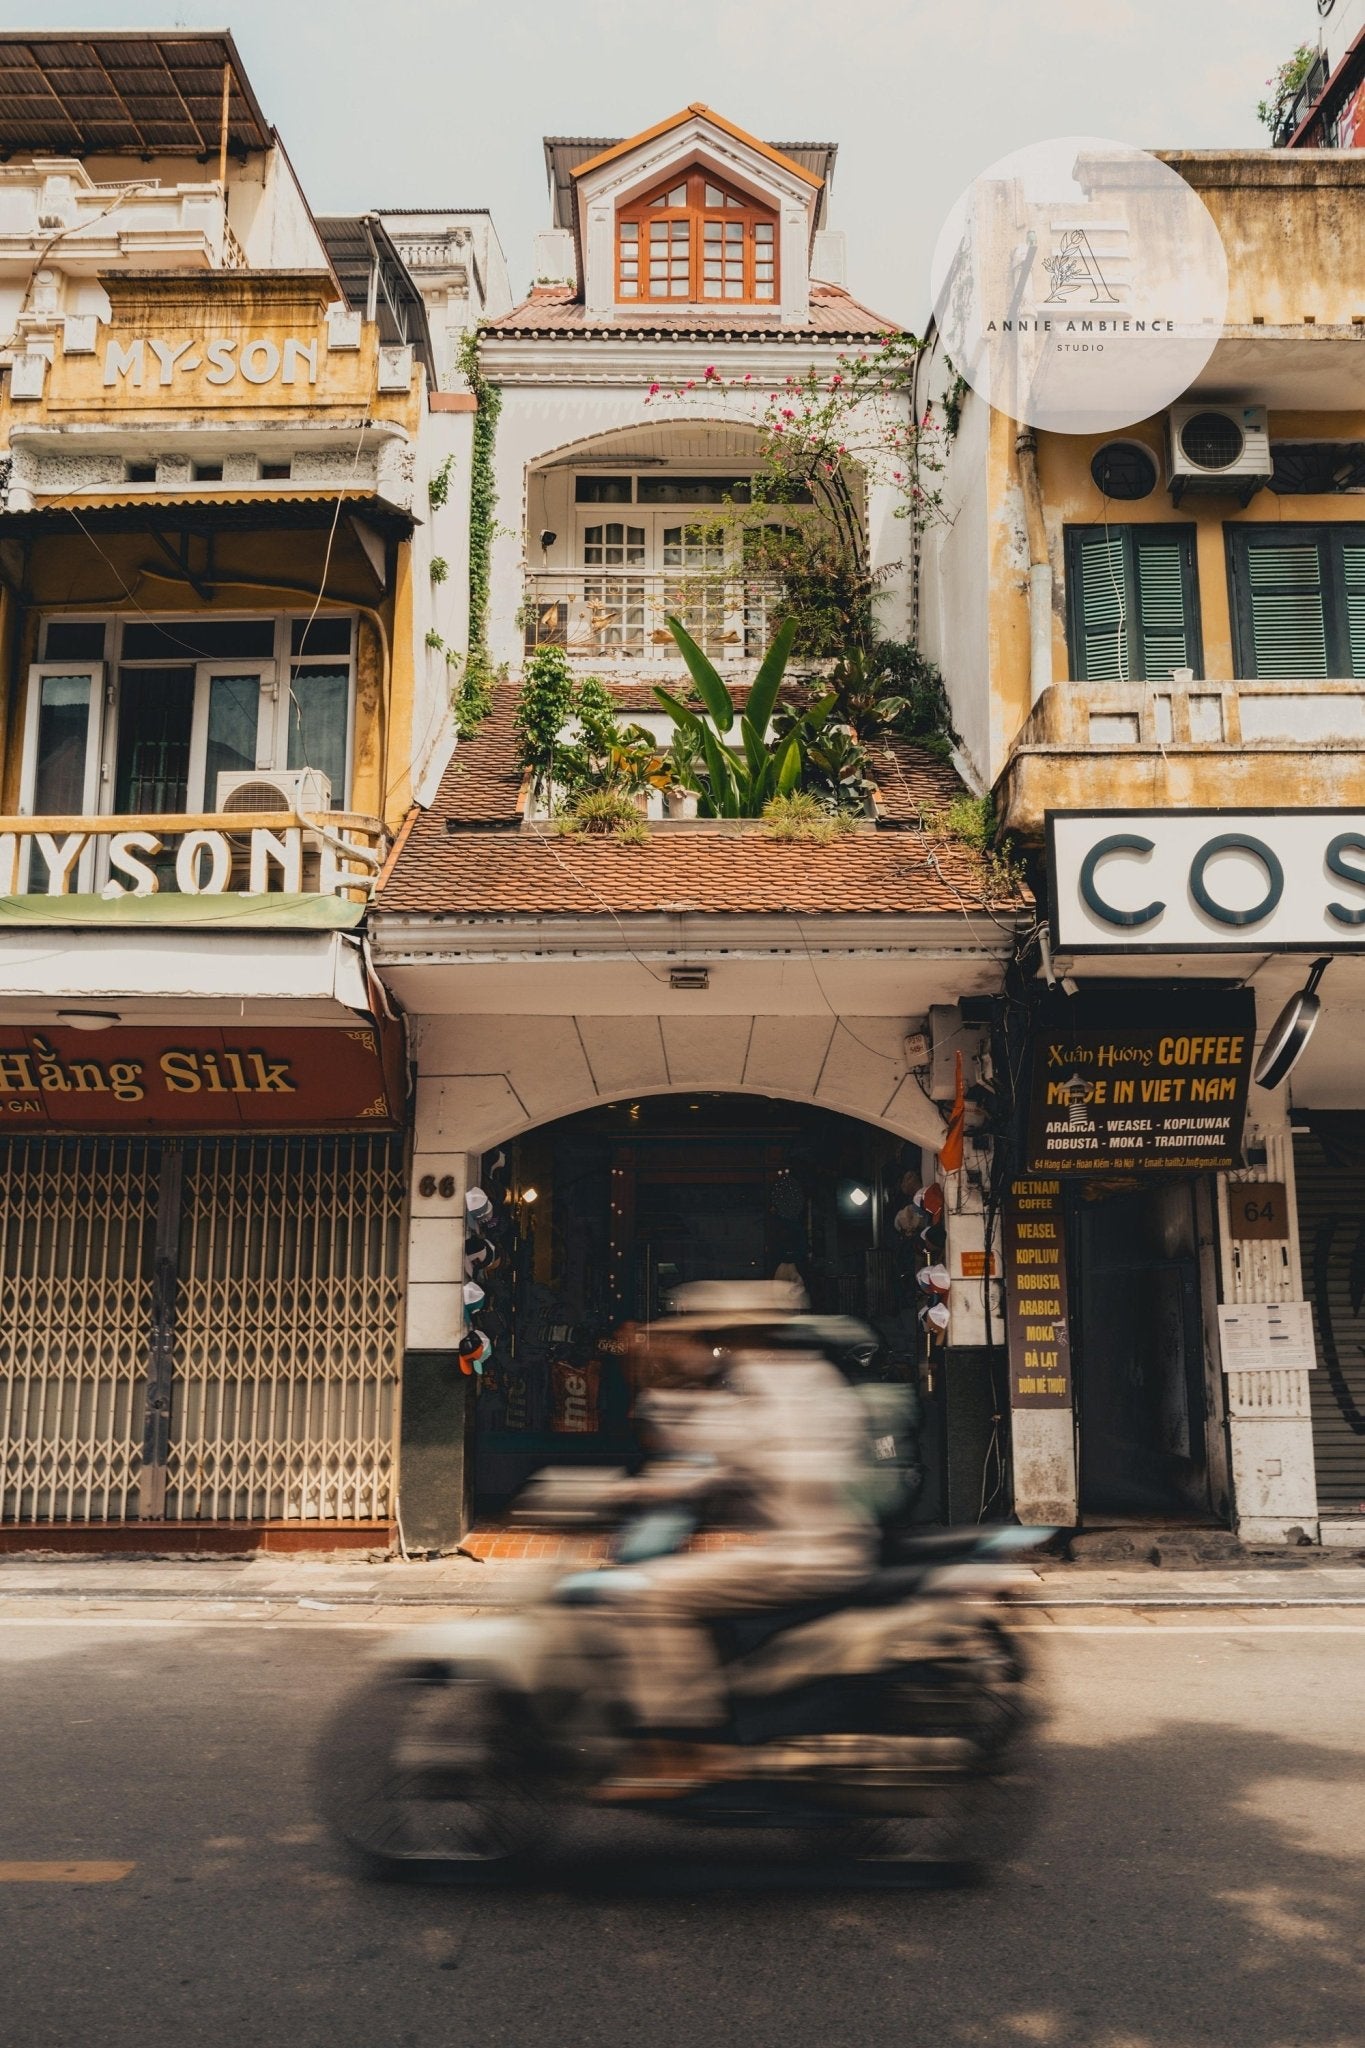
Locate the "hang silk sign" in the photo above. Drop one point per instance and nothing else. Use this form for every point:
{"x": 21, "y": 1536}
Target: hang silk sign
{"x": 127, "y": 1079}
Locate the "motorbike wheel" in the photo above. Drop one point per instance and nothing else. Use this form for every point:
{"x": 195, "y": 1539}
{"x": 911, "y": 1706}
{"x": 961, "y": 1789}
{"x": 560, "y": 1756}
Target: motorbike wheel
{"x": 387, "y": 1790}
{"x": 984, "y": 1820}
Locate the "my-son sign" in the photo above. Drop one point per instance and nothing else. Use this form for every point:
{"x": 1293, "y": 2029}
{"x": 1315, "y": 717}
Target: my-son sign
{"x": 208, "y": 861}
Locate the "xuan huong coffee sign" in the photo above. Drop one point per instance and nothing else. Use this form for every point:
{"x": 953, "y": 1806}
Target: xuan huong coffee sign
{"x": 1128, "y": 1087}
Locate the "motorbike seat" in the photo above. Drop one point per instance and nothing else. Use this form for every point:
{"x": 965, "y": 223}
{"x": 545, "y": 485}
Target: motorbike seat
{"x": 738, "y": 1634}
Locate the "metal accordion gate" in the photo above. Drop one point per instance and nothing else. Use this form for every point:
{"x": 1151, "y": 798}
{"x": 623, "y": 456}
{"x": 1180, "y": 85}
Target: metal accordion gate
{"x": 199, "y": 1331}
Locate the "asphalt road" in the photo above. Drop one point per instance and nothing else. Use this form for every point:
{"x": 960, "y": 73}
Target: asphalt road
{"x": 1198, "y": 1877}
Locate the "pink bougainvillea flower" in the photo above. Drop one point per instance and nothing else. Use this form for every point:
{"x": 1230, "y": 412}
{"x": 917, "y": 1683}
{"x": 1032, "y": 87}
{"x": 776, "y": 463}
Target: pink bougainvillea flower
{"x": 710, "y": 373}
{"x": 787, "y": 413}
{"x": 654, "y": 390}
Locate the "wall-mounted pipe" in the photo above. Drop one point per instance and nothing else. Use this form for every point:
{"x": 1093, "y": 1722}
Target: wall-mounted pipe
{"x": 1039, "y": 567}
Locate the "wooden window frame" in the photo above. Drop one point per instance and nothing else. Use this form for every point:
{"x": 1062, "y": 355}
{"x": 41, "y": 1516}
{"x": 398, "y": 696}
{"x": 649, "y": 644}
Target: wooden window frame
{"x": 750, "y": 212}
{"x": 1329, "y": 537}
{"x": 1184, "y": 533}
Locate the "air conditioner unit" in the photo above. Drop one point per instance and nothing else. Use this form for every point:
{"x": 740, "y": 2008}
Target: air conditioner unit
{"x": 273, "y": 790}
{"x": 1218, "y": 451}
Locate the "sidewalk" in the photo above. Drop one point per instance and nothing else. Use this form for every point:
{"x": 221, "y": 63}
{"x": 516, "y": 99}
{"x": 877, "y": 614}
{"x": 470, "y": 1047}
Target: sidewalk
{"x": 462, "y": 1582}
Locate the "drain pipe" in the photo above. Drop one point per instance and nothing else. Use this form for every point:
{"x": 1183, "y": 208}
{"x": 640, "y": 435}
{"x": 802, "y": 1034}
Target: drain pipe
{"x": 1039, "y": 567}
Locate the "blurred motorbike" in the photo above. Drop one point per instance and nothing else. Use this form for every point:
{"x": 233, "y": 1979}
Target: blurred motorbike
{"x": 893, "y": 1722}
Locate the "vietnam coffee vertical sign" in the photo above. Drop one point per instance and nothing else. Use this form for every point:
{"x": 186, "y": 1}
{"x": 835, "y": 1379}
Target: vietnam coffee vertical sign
{"x": 1037, "y": 1331}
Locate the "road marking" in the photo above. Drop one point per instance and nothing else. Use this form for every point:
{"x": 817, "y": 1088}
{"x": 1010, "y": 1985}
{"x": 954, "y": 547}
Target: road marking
{"x": 64, "y": 1873}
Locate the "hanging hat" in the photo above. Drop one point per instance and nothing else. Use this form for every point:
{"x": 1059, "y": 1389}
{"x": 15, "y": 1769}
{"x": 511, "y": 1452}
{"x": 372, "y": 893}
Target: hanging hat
{"x": 475, "y": 1350}
{"x": 935, "y": 1315}
{"x": 934, "y": 1279}
{"x": 477, "y": 1205}
{"x": 472, "y": 1295}
{"x": 906, "y": 1221}
{"x": 476, "y": 1252}
{"x": 931, "y": 1200}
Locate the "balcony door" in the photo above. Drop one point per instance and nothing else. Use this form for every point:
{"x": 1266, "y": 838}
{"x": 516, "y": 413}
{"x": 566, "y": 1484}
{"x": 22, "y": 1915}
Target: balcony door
{"x": 641, "y": 567}
{"x": 154, "y": 744}
{"x": 179, "y": 730}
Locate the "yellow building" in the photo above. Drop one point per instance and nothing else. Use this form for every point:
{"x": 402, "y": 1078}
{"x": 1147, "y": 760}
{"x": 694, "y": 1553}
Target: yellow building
{"x": 212, "y": 704}
{"x": 1154, "y": 645}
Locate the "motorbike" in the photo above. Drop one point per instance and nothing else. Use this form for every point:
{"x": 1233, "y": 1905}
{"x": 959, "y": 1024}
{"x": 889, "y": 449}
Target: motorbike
{"x": 891, "y": 1725}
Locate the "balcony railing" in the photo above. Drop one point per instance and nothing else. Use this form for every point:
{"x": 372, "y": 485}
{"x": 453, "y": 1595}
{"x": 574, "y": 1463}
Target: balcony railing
{"x": 209, "y": 853}
{"x": 1186, "y": 742}
{"x": 620, "y": 615}
{"x": 129, "y": 222}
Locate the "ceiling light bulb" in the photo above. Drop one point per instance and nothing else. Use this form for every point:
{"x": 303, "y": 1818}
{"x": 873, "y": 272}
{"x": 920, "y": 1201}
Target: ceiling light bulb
{"x": 859, "y": 1197}
{"x": 530, "y": 1194}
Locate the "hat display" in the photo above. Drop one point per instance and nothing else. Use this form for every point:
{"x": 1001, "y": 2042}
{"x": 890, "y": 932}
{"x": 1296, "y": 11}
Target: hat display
{"x": 931, "y": 1200}
{"x": 935, "y": 1316}
{"x": 475, "y": 1349}
{"x": 477, "y": 1205}
{"x": 934, "y": 1279}
{"x": 472, "y": 1294}
{"x": 907, "y": 1220}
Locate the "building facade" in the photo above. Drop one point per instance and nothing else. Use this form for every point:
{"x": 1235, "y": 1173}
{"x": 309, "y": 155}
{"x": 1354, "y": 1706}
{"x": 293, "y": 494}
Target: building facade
{"x": 1149, "y": 641}
{"x": 216, "y": 539}
{"x": 697, "y": 1050}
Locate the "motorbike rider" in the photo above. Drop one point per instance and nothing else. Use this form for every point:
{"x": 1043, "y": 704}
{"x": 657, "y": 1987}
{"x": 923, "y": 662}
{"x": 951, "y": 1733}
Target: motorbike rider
{"x": 770, "y": 1433}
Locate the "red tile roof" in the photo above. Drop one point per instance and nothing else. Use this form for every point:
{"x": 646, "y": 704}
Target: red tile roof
{"x": 557, "y": 310}
{"x": 469, "y": 855}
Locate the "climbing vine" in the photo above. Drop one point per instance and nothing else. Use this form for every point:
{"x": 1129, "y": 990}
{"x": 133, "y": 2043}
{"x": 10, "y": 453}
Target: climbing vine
{"x": 473, "y": 695}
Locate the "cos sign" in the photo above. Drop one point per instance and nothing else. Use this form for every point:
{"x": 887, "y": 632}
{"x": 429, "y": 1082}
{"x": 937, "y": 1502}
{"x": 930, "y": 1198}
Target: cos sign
{"x": 1207, "y": 881}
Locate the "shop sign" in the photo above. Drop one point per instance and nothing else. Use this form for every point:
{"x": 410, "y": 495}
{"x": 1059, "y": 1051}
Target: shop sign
{"x": 152, "y": 359}
{"x": 204, "y": 862}
{"x": 234, "y": 1079}
{"x": 1207, "y": 881}
{"x": 1143, "y": 1083}
{"x": 1037, "y": 1326}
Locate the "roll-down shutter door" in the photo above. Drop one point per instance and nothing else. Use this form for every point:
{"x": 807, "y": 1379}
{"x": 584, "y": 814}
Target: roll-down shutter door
{"x": 1329, "y": 1166}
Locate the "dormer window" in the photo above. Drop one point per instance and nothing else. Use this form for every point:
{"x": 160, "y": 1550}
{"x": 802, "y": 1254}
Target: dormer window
{"x": 695, "y": 239}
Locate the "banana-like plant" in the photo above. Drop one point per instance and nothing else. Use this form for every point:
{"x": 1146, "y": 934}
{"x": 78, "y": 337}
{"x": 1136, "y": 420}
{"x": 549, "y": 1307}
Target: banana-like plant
{"x": 736, "y": 781}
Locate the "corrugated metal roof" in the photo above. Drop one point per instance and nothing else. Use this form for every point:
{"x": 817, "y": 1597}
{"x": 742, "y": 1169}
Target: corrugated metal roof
{"x": 564, "y": 153}
{"x": 266, "y": 505}
{"x": 360, "y": 247}
{"x": 126, "y": 92}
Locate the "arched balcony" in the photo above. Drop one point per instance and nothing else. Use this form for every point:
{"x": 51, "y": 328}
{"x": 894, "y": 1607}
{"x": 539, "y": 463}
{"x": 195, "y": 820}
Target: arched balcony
{"x": 628, "y": 528}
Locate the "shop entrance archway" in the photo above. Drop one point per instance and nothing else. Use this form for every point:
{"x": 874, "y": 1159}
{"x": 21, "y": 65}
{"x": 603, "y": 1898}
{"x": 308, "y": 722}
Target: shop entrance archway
{"x": 599, "y": 1216}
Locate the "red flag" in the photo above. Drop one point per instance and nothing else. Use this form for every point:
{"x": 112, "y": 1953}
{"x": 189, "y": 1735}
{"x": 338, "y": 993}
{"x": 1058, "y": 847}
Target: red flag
{"x": 950, "y": 1151}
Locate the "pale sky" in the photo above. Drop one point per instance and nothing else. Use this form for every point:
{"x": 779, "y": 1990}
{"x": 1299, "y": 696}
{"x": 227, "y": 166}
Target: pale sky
{"x": 404, "y": 104}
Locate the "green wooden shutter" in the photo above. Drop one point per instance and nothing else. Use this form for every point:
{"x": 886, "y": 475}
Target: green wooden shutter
{"x": 1101, "y": 608}
{"x": 1288, "y": 613}
{"x": 1353, "y": 583}
{"x": 1162, "y": 627}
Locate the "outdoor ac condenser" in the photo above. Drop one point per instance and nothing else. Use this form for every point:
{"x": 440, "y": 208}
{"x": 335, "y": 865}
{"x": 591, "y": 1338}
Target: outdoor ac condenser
{"x": 273, "y": 789}
{"x": 1218, "y": 451}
